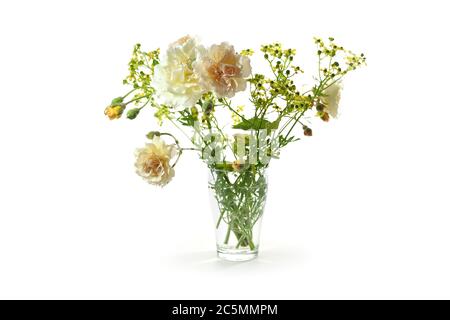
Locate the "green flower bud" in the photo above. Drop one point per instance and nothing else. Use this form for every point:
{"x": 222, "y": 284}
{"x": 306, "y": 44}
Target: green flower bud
{"x": 194, "y": 113}
{"x": 133, "y": 113}
{"x": 116, "y": 101}
{"x": 152, "y": 134}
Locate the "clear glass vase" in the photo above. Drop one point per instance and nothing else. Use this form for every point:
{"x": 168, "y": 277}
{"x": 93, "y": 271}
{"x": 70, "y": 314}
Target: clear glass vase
{"x": 238, "y": 198}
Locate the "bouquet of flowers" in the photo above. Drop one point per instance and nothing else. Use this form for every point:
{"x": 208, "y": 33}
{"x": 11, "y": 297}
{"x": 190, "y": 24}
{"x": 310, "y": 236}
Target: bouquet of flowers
{"x": 195, "y": 89}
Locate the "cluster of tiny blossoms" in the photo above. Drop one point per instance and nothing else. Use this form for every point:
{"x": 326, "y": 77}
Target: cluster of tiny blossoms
{"x": 189, "y": 82}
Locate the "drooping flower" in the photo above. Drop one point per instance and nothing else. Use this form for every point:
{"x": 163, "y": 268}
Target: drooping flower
{"x": 331, "y": 98}
{"x": 153, "y": 162}
{"x": 175, "y": 82}
{"x": 114, "y": 112}
{"x": 222, "y": 70}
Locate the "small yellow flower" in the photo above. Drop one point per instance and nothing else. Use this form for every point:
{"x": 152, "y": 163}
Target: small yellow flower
{"x": 114, "y": 112}
{"x": 236, "y": 118}
{"x": 247, "y": 52}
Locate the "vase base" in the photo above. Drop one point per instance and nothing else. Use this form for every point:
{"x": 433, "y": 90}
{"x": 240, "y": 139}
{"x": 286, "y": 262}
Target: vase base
{"x": 236, "y": 255}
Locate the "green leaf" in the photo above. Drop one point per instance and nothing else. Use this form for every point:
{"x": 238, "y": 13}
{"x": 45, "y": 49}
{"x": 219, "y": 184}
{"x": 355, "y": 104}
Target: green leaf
{"x": 257, "y": 124}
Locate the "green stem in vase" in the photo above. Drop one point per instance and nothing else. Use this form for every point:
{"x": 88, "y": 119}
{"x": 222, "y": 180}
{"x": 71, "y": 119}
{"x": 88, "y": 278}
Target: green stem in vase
{"x": 240, "y": 196}
{"x": 227, "y": 237}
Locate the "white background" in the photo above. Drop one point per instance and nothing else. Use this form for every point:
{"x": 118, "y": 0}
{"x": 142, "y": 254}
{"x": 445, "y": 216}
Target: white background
{"x": 360, "y": 210}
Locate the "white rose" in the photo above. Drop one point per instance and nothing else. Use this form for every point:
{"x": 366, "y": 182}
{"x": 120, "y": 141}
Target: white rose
{"x": 175, "y": 82}
{"x": 153, "y": 162}
{"x": 222, "y": 70}
{"x": 331, "y": 98}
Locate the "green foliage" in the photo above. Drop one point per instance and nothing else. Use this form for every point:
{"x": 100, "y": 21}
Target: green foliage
{"x": 241, "y": 197}
{"x": 188, "y": 117}
{"x": 162, "y": 112}
{"x": 141, "y": 70}
{"x": 257, "y": 124}
{"x": 338, "y": 61}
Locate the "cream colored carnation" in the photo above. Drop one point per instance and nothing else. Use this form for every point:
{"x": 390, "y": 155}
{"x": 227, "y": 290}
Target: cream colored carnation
{"x": 153, "y": 162}
{"x": 332, "y": 98}
{"x": 175, "y": 82}
{"x": 222, "y": 70}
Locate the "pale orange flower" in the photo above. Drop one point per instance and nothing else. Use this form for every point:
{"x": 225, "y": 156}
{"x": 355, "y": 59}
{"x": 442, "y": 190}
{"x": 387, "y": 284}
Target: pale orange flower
{"x": 222, "y": 70}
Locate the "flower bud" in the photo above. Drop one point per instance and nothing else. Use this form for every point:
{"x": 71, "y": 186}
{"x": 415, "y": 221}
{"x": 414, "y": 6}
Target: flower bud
{"x": 114, "y": 111}
{"x": 209, "y": 108}
{"x": 320, "y": 107}
{"x": 325, "y": 116}
{"x": 116, "y": 101}
{"x": 153, "y": 134}
{"x": 133, "y": 113}
{"x": 307, "y": 131}
{"x": 194, "y": 112}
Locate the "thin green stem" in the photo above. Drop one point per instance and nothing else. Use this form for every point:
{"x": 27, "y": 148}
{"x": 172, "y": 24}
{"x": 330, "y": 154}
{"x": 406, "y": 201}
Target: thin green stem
{"x": 228, "y": 105}
{"x": 227, "y": 237}
{"x": 136, "y": 99}
{"x": 129, "y": 92}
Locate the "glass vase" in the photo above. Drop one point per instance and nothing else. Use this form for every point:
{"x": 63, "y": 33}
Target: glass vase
{"x": 238, "y": 198}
